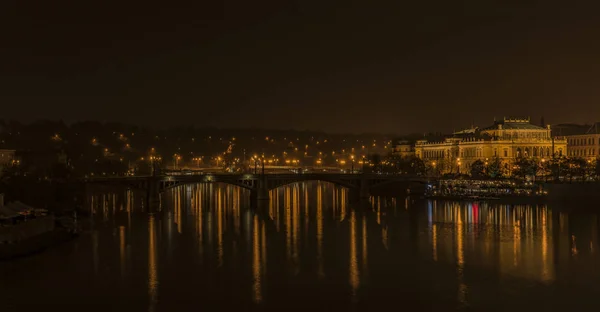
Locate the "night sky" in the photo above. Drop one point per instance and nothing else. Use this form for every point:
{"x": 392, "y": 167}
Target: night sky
{"x": 339, "y": 66}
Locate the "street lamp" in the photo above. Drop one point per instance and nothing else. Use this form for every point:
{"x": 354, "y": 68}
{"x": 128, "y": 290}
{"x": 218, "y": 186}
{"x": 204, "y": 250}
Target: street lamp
{"x": 176, "y": 159}
{"x": 198, "y": 159}
{"x": 544, "y": 169}
{"x": 352, "y": 157}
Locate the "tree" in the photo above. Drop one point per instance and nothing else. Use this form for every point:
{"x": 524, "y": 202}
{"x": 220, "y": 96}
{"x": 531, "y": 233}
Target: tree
{"x": 494, "y": 168}
{"x": 375, "y": 160}
{"x": 544, "y": 169}
{"x": 557, "y": 167}
{"x": 478, "y": 169}
{"x": 417, "y": 166}
{"x": 576, "y": 168}
{"x": 525, "y": 167}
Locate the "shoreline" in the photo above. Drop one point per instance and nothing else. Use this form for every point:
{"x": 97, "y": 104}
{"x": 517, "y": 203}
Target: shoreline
{"x": 569, "y": 193}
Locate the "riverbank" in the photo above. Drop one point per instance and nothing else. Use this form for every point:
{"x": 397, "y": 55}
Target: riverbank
{"x": 574, "y": 195}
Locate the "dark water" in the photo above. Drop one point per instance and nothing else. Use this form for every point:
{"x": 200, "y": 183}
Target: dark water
{"x": 208, "y": 250}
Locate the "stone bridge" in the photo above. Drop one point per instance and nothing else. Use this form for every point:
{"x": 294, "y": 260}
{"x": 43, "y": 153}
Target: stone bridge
{"x": 259, "y": 185}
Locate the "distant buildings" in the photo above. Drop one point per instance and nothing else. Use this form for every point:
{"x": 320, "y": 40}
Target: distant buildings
{"x": 507, "y": 139}
{"x": 403, "y": 149}
{"x": 584, "y": 141}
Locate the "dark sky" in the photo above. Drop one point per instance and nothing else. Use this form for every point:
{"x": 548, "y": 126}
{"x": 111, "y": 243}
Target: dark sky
{"x": 322, "y": 65}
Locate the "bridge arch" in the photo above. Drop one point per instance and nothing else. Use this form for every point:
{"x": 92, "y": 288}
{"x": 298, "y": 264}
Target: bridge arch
{"x": 380, "y": 183}
{"x": 244, "y": 184}
{"x": 272, "y": 185}
{"x": 278, "y": 184}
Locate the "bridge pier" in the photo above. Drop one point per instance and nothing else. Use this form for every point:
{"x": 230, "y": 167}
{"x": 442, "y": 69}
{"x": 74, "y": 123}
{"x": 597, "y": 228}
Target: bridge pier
{"x": 261, "y": 191}
{"x": 362, "y": 193}
{"x": 152, "y": 194}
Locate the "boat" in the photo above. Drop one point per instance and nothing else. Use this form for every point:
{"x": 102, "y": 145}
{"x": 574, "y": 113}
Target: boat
{"x": 26, "y": 231}
{"x": 461, "y": 197}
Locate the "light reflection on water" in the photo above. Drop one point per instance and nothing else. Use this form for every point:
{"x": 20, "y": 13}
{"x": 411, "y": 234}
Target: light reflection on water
{"x": 205, "y": 245}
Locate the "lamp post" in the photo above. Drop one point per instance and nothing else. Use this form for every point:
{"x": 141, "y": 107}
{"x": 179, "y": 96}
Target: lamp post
{"x": 255, "y": 164}
{"x": 176, "y": 159}
{"x": 352, "y": 157}
{"x": 544, "y": 169}
{"x": 198, "y": 160}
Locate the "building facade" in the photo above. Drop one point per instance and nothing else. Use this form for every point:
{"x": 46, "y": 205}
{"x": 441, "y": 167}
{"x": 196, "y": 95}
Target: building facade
{"x": 586, "y": 144}
{"x": 403, "y": 149}
{"x": 508, "y": 140}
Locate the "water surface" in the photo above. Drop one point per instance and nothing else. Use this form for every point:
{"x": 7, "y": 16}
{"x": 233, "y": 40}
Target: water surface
{"x": 205, "y": 248}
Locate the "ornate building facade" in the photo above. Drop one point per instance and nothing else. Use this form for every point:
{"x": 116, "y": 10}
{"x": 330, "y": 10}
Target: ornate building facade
{"x": 508, "y": 139}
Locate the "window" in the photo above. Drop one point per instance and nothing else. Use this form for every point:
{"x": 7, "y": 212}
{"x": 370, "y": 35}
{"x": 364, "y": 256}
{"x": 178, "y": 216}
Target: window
{"x": 505, "y": 152}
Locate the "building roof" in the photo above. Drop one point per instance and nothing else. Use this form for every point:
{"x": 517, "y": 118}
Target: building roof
{"x": 594, "y": 129}
{"x": 514, "y": 124}
{"x": 466, "y": 131}
{"x": 575, "y": 129}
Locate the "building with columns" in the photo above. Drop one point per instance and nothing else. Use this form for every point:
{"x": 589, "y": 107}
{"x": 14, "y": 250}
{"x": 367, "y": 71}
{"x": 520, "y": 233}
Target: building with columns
{"x": 507, "y": 139}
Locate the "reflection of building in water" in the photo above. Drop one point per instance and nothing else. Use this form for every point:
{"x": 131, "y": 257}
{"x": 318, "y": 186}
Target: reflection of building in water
{"x": 522, "y": 237}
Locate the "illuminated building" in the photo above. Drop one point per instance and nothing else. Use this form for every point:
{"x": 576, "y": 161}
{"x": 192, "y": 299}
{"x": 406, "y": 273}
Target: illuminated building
{"x": 507, "y": 139}
{"x": 585, "y": 144}
{"x": 403, "y": 149}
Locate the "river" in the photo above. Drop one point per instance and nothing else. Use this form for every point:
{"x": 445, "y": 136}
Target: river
{"x": 204, "y": 248}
